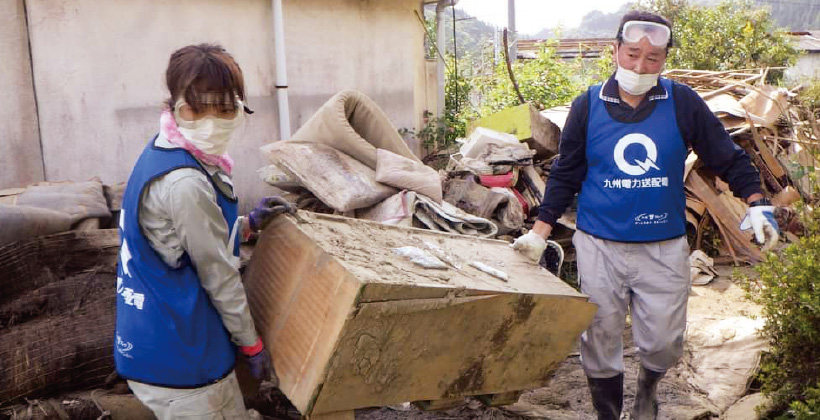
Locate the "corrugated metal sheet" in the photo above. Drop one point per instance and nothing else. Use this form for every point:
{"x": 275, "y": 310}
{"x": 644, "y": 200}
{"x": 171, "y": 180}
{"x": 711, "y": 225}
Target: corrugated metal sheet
{"x": 808, "y": 41}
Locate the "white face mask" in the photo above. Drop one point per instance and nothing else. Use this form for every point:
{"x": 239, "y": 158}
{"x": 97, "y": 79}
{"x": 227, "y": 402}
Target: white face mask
{"x": 634, "y": 83}
{"x": 210, "y": 134}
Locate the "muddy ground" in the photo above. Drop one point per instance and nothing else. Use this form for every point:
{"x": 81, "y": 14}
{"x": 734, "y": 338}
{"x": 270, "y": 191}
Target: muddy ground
{"x": 697, "y": 388}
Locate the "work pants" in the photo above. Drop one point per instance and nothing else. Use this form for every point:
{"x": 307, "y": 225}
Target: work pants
{"x": 220, "y": 400}
{"x": 650, "y": 278}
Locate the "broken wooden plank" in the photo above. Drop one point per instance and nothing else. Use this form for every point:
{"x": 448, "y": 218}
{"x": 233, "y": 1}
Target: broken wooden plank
{"x": 787, "y": 197}
{"x": 727, "y": 222}
{"x": 350, "y": 324}
{"x": 773, "y": 167}
{"x": 734, "y": 204}
{"x": 533, "y": 181}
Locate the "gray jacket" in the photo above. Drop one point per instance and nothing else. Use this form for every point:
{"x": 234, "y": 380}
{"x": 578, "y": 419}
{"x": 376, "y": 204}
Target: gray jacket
{"x": 179, "y": 214}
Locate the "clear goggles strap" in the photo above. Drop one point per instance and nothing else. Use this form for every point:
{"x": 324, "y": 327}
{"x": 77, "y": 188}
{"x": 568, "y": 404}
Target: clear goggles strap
{"x": 657, "y": 34}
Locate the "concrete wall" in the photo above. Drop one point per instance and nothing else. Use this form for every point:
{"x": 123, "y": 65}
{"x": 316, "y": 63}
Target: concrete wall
{"x": 807, "y": 66}
{"x": 20, "y": 157}
{"x": 99, "y": 71}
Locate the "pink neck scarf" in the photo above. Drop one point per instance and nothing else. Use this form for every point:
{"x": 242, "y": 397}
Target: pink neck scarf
{"x": 168, "y": 128}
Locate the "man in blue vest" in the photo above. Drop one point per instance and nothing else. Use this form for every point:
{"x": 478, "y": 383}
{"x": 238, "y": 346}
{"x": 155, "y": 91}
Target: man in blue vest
{"x": 622, "y": 151}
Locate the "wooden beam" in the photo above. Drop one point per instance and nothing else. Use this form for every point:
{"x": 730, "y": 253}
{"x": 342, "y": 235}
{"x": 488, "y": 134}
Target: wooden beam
{"x": 727, "y": 222}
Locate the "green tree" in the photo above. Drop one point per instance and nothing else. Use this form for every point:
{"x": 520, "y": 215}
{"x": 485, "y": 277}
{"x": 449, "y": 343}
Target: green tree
{"x": 669, "y": 9}
{"x": 545, "y": 81}
{"x": 735, "y": 34}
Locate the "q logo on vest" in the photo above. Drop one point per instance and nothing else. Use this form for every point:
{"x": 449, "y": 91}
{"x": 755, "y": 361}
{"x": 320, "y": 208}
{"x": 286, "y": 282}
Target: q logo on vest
{"x": 639, "y": 168}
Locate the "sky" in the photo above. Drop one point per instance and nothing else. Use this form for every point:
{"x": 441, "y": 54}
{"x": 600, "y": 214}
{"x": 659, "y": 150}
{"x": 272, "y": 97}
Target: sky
{"x": 533, "y": 15}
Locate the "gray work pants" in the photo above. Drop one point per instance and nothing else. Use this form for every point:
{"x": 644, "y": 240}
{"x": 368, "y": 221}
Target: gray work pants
{"x": 221, "y": 400}
{"x": 651, "y": 279}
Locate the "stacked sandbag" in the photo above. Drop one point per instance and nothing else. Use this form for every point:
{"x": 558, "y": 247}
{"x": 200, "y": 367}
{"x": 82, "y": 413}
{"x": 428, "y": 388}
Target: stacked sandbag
{"x": 57, "y": 317}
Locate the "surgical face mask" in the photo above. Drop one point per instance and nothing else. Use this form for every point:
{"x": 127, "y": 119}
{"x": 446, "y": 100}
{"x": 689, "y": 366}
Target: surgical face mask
{"x": 634, "y": 83}
{"x": 209, "y": 134}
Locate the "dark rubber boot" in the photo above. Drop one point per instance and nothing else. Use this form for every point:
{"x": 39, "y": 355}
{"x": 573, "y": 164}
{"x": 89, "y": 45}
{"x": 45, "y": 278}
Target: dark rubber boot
{"x": 607, "y": 396}
{"x": 646, "y": 402}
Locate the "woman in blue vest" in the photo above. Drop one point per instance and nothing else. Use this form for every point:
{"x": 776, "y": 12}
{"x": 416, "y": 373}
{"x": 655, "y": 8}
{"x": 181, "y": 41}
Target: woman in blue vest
{"x": 182, "y": 311}
{"x": 622, "y": 151}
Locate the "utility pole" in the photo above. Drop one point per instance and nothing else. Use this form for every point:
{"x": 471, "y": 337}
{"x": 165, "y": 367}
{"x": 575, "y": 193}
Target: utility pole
{"x": 455, "y": 59}
{"x": 440, "y": 37}
{"x": 511, "y": 30}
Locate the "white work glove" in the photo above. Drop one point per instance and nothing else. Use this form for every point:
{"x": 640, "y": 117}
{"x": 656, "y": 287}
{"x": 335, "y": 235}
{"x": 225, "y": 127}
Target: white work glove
{"x": 760, "y": 219}
{"x": 531, "y": 245}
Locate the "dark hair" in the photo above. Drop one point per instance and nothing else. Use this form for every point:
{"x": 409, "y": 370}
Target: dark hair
{"x": 197, "y": 69}
{"x": 644, "y": 16}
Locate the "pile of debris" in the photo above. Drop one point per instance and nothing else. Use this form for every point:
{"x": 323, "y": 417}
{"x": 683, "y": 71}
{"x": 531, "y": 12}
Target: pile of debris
{"x": 777, "y": 133}
{"x": 348, "y": 159}
{"x": 58, "y": 259}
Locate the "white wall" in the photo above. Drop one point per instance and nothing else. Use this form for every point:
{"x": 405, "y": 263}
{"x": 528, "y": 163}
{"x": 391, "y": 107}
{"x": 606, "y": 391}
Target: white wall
{"x": 20, "y": 158}
{"x": 807, "y": 66}
{"x": 99, "y": 69}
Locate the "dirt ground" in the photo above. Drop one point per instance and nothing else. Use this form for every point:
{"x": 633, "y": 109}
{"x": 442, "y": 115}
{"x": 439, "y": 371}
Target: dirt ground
{"x": 682, "y": 395}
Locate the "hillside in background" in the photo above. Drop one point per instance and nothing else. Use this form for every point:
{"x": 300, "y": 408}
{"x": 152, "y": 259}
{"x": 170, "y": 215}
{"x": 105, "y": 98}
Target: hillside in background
{"x": 472, "y": 35}
{"x": 475, "y": 36}
{"x": 595, "y": 24}
{"x": 795, "y": 15}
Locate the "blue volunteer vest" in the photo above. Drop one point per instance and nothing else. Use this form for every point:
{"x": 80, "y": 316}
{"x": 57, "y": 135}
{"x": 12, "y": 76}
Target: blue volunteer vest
{"x": 633, "y": 190}
{"x": 168, "y": 331}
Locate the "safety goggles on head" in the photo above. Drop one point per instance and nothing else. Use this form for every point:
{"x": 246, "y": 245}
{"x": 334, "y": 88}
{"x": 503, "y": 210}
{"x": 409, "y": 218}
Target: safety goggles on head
{"x": 658, "y": 34}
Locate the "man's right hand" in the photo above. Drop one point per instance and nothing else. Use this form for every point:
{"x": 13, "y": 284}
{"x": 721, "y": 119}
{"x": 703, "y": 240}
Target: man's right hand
{"x": 531, "y": 245}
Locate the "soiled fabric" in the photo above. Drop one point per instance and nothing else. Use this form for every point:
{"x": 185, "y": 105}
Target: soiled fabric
{"x": 352, "y": 123}
{"x": 337, "y": 179}
{"x": 408, "y": 209}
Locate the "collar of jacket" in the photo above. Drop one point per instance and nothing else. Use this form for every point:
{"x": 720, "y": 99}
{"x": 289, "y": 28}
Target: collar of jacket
{"x": 609, "y": 92}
